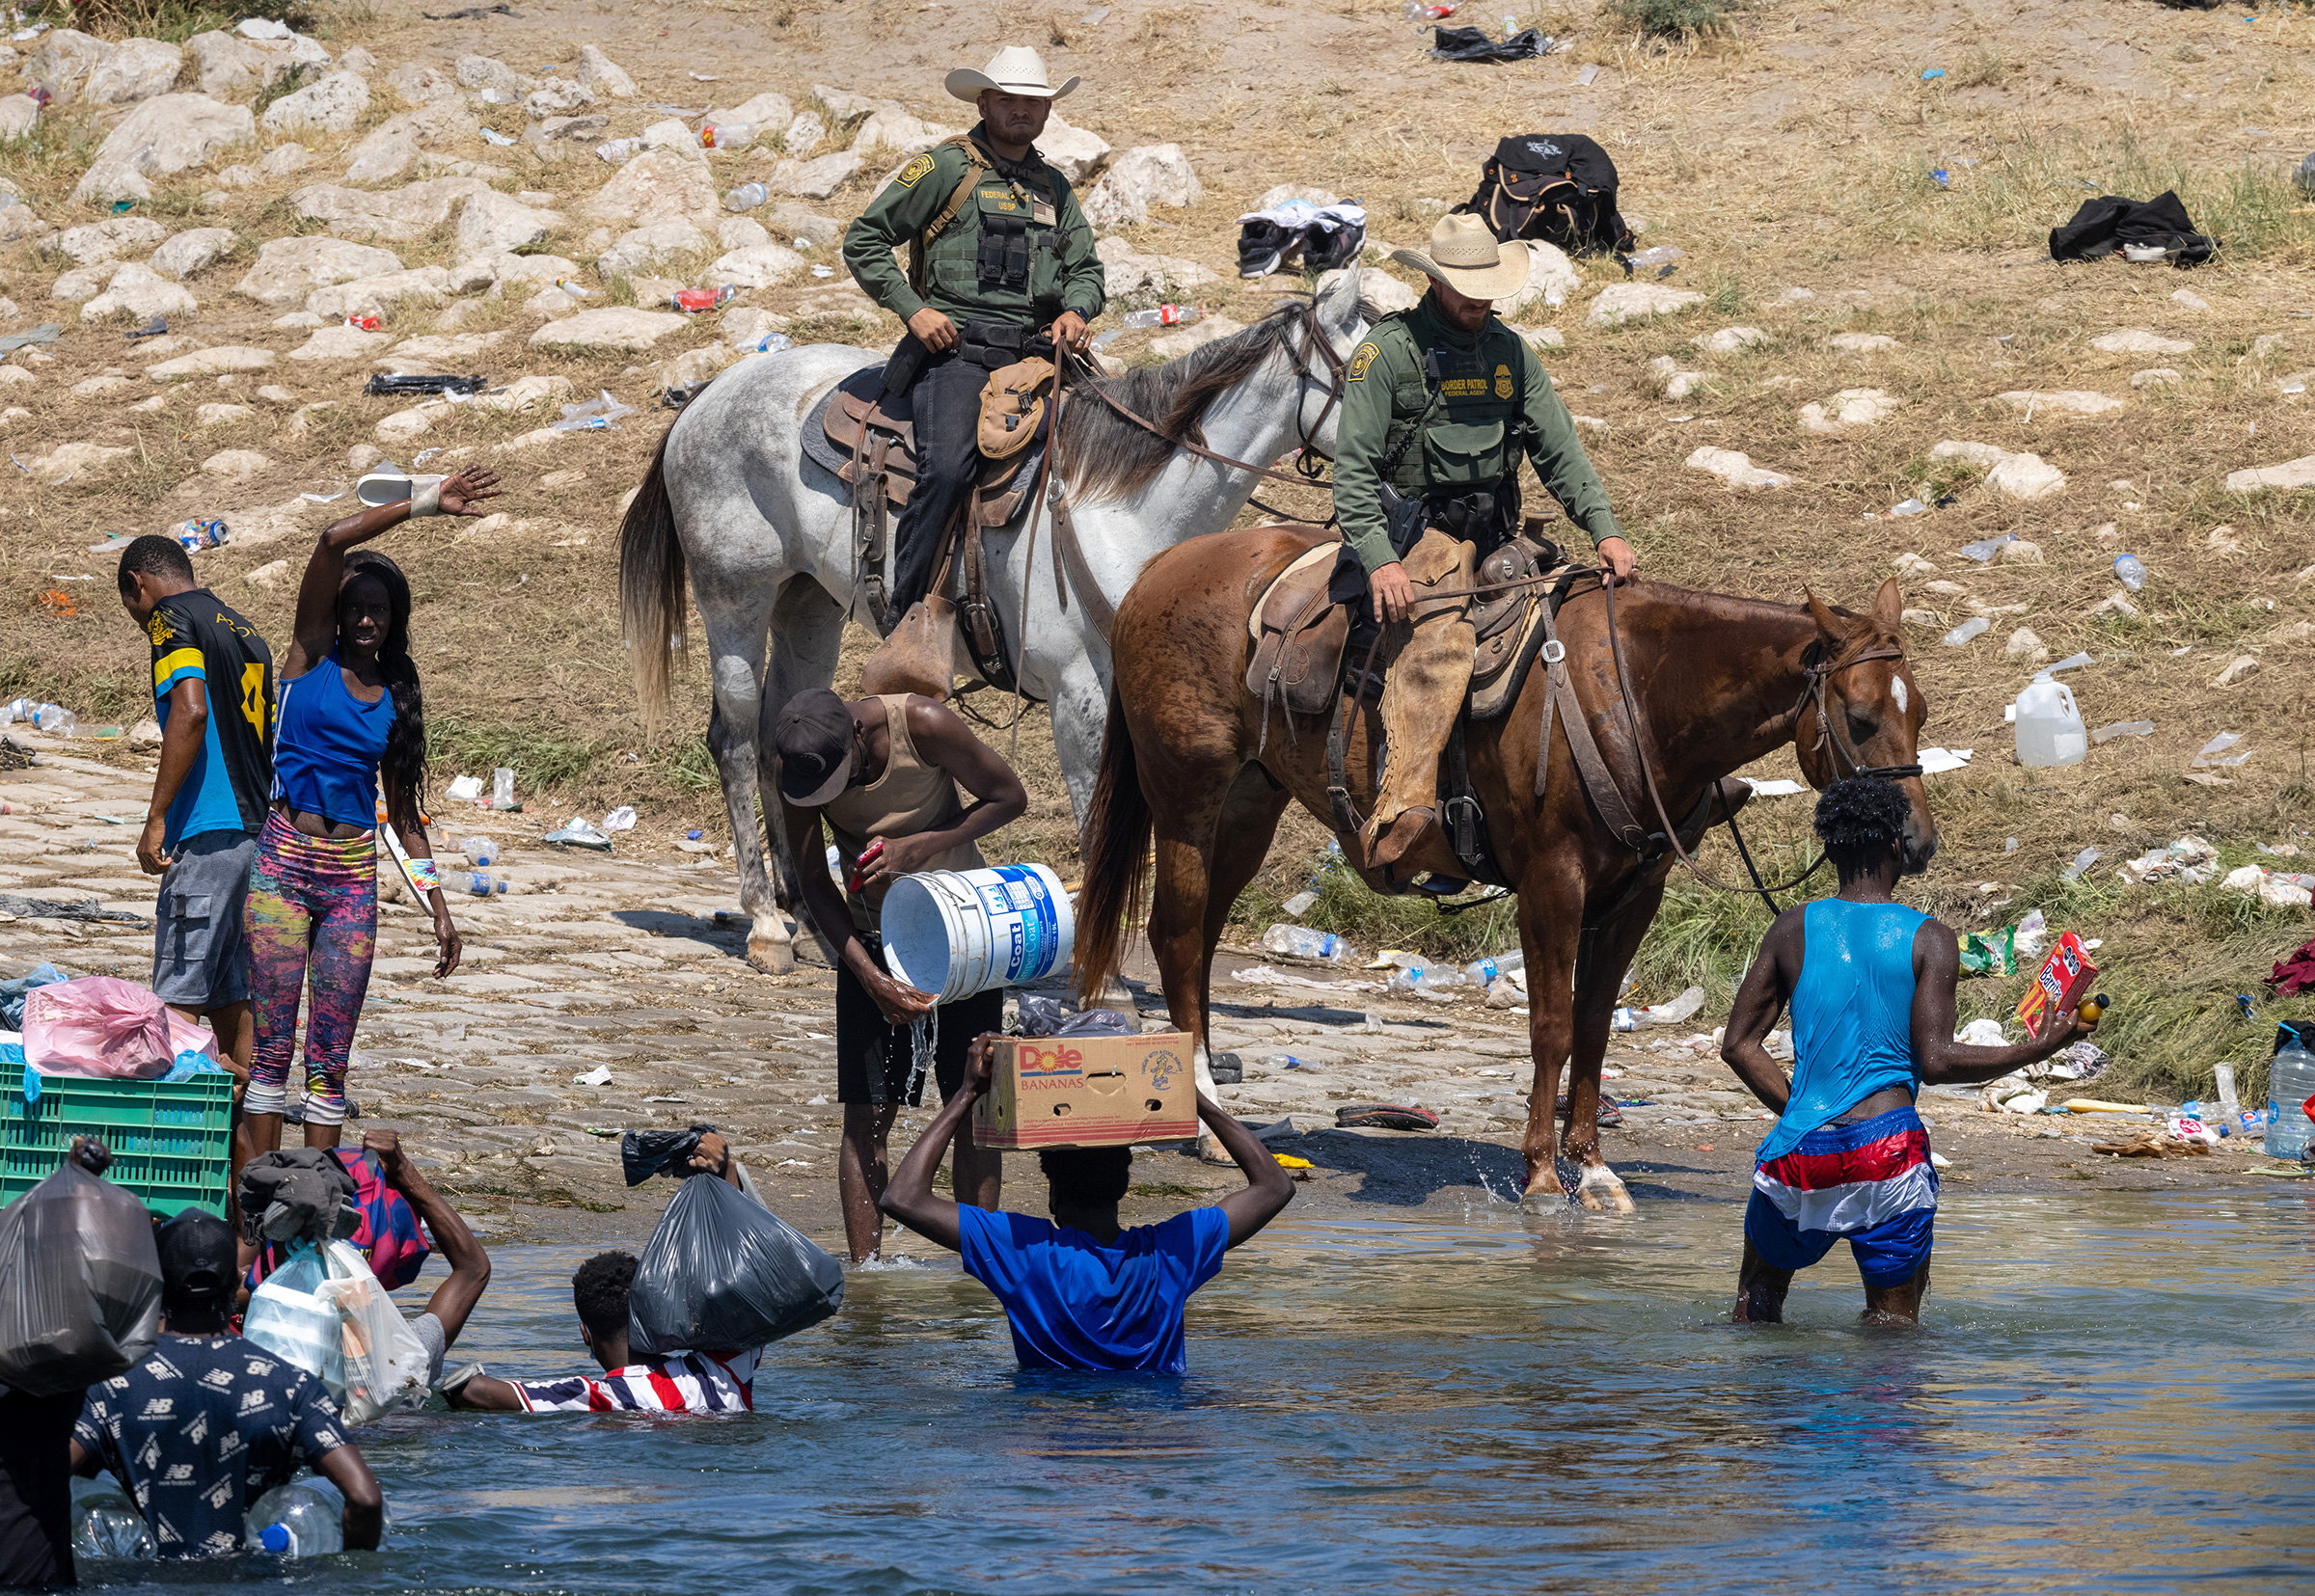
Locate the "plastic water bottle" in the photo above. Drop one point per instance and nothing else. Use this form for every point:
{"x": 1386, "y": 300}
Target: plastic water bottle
{"x": 478, "y": 884}
{"x": 1302, "y": 943}
{"x": 105, "y": 1526}
{"x": 1485, "y": 972}
{"x": 2050, "y": 729}
{"x": 2290, "y": 1082}
{"x": 300, "y": 1520}
{"x": 1425, "y": 978}
{"x": 479, "y": 850}
{"x": 1976, "y": 627}
{"x": 2130, "y": 571}
{"x": 1300, "y": 904}
{"x": 746, "y": 196}
{"x": 1164, "y": 316}
{"x": 725, "y": 135}
{"x": 501, "y": 788}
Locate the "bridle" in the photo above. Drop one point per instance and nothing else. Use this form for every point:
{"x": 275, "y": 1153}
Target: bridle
{"x": 1828, "y": 733}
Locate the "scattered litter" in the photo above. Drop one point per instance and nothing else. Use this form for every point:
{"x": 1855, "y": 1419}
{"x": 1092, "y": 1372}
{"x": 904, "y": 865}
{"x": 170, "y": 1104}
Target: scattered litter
{"x": 2188, "y": 860}
{"x": 471, "y": 14}
{"x": 1932, "y": 74}
{"x": 464, "y": 790}
{"x": 196, "y": 536}
{"x": 622, "y": 819}
{"x": 2123, "y": 728}
{"x": 2083, "y": 861}
{"x": 745, "y": 197}
{"x": 694, "y": 835}
{"x": 152, "y": 329}
{"x": 1985, "y": 549}
{"x": 599, "y": 1075}
{"x": 1659, "y": 258}
{"x": 492, "y": 135}
{"x": 57, "y": 908}
{"x": 1474, "y": 45}
{"x": 2131, "y": 572}
{"x": 2217, "y": 747}
{"x": 383, "y": 384}
{"x": 324, "y": 498}
{"x": 1262, "y": 975}
{"x": 47, "y": 332}
{"x": 1969, "y": 631}
{"x": 1301, "y": 942}
{"x": 1911, "y": 506}
{"x": 597, "y": 414}
{"x": 1938, "y": 761}
{"x": 694, "y": 301}
{"x": 579, "y": 834}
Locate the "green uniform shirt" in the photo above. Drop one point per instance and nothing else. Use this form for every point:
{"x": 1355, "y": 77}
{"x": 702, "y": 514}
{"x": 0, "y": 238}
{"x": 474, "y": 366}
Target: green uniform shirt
{"x": 1495, "y": 396}
{"x": 1064, "y": 273}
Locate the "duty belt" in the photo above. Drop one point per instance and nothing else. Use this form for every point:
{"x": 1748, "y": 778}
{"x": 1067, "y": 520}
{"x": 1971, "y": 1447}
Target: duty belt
{"x": 995, "y": 344}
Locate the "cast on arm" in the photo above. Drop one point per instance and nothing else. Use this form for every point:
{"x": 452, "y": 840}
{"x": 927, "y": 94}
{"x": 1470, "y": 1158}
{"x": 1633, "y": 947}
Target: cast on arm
{"x": 1943, "y": 1061}
{"x": 909, "y": 1196}
{"x": 1269, "y": 1187}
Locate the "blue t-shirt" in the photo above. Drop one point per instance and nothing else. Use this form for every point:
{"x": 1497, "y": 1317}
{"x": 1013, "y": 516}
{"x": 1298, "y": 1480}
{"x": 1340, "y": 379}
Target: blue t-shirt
{"x": 200, "y": 1429}
{"x": 1077, "y": 1303}
{"x": 197, "y": 638}
{"x": 1852, "y": 1014}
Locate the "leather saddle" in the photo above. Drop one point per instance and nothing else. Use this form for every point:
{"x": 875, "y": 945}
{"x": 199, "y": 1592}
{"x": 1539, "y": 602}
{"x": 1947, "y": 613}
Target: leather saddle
{"x": 867, "y": 436}
{"x": 1300, "y": 660}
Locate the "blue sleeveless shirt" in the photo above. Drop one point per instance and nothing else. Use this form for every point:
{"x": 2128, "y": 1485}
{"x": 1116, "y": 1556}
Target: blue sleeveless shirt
{"x": 1852, "y": 1014}
{"x": 327, "y": 746}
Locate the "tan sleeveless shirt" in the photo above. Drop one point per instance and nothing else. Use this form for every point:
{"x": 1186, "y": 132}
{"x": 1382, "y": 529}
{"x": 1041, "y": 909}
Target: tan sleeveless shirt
{"x": 910, "y": 798}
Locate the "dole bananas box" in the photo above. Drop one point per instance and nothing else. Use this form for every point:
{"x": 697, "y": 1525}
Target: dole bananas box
{"x": 1087, "y": 1092}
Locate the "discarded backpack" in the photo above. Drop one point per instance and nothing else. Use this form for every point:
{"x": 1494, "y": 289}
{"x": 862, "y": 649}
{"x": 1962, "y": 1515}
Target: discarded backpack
{"x": 1474, "y": 45}
{"x": 722, "y": 1273}
{"x": 83, "y": 1297}
{"x": 1385, "y": 1117}
{"x": 2142, "y": 231}
{"x": 1557, "y": 187}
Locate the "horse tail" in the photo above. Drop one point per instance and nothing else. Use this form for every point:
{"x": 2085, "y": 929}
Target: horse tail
{"x": 652, "y": 585}
{"x": 1116, "y": 850}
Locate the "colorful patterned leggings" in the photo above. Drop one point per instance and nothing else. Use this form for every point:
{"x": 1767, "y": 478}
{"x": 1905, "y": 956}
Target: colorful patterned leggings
{"x": 313, "y": 904}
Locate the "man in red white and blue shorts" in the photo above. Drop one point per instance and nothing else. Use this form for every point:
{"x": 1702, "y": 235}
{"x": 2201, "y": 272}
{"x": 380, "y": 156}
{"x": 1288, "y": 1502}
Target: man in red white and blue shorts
{"x": 1870, "y": 983}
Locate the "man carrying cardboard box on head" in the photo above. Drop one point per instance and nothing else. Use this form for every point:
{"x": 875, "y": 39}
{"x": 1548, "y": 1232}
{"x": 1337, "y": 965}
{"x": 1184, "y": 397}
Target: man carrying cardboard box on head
{"x": 1081, "y": 1290}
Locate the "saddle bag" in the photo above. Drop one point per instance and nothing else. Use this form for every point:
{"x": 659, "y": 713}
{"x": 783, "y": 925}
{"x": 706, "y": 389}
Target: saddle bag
{"x": 1557, "y": 187}
{"x": 1012, "y": 403}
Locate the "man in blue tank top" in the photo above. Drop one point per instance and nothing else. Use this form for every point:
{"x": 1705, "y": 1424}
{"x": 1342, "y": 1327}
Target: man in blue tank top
{"x": 1870, "y": 983}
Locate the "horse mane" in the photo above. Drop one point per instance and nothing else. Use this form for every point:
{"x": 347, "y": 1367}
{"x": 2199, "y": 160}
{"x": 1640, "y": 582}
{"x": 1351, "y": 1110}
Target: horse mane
{"x": 1111, "y": 457}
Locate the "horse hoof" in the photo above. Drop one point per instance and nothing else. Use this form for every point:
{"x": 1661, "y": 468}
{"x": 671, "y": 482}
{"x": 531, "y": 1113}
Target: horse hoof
{"x": 1601, "y": 1192}
{"x": 1543, "y": 1192}
{"x": 770, "y": 956}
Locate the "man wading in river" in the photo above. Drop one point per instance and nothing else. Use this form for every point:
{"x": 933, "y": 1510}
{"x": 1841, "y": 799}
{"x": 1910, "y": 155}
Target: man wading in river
{"x": 1870, "y": 983}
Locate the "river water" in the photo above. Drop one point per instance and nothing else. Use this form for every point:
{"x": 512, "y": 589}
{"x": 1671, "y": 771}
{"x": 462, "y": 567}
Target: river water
{"x": 2107, "y": 1393}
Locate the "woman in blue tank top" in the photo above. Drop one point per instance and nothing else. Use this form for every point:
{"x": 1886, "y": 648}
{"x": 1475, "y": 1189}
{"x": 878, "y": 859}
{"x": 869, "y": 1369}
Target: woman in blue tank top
{"x": 350, "y": 713}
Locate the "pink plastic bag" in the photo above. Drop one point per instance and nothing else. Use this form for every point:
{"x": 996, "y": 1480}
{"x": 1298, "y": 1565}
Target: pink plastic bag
{"x": 98, "y": 1026}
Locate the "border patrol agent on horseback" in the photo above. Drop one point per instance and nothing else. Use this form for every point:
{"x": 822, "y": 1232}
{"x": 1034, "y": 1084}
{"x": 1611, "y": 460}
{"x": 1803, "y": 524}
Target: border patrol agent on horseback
{"x": 1440, "y": 404}
{"x": 1000, "y": 257}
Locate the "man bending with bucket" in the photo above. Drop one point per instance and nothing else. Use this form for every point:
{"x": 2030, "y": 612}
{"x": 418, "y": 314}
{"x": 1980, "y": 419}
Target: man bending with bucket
{"x": 1870, "y": 983}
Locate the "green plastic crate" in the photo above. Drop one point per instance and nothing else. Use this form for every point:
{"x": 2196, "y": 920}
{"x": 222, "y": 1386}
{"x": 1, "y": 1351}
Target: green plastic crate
{"x": 172, "y": 1141}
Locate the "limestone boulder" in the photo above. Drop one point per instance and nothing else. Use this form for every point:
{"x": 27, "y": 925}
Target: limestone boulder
{"x": 615, "y": 328}
{"x": 224, "y": 66}
{"x": 1551, "y": 279}
{"x": 1147, "y": 177}
{"x": 602, "y": 76}
{"x": 895, "y": 132}
{"x": 221, "y": 415}
{"x": 1073, "y": 151}
{"x": 284, "y": 158}
{"x": 2138, "y": 341}
{"x": 2289, "y": 474}
{"x": 675, "y": 136}
{"x": 72, "y": 459}
{"x": 64, "y": 60}
{"x": 375, "y": 296}
{"x": 1847, "y": 411}
{"x": 192, "y": 251}
{"x": 1128, "y": 271}
{"x": 399, "y": 215}
{"x": 136, "y": 68}
{"x": 498, "y": 224}
{"x": 2016, "y": 476}
{"x": 109, "y": 240}
{"x": 1623, "y": 302}
{"x": 802, "y": 134}
{"x": 816, "y": 179}
{"x": 1173, "y": 345}
{"x": 226, "y": 360}
{"x": 143, "y": 293}
{"x": 395, "y": 145}
{"x": 556, "y": 97}
{"x": 658, "y": 185}
{"x": 2069, "y": 401}
{"x": 492, "y": 78}
{"x": 334, "y": 105}
{"x": 288, "y": 269}
{"x": 1729, "y": 340}
{"x": 765, "y": 110}
{"x": 1736, "y": 469}
{"x": 83, "y": 283}
{"x": 790, "y": 221}
{"x": 339, "y": 342}
{"x": 756, "y": 266}
{"x": 650, "y": 246}
{"x": 18, "y": 113}
{"x": 417, "y": 86}
{"x": 236, "y": 462}
{"x": 165, "y": 135}
{"x": 2157, "y": 376}
{"x": 1863, "y": 344}
{"x": 741, "y": 233}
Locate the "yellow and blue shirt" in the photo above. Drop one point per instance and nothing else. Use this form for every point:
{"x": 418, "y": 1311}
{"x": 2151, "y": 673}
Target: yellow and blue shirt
{"x": 196, "y": 637}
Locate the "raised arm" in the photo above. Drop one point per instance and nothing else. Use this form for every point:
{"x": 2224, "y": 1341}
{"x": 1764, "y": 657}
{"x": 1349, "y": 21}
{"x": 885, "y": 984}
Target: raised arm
{"x": 909, "y": 1196}
{"x": 1269, "y": 1187}
{"x": 317, "y": 626}
{"x": 454, "y": 1300}
{"x": 1943, "y": 1061}
{"x": 1766, "y": 989}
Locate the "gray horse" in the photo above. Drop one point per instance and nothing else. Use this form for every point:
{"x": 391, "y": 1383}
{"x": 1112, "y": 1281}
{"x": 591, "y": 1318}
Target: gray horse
{"x": 765, "y": 533}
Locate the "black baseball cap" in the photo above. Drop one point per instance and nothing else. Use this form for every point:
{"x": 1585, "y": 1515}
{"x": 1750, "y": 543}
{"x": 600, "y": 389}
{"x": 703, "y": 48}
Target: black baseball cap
{"x": 815, "y": 744}
{"x": 199, "y": 1258}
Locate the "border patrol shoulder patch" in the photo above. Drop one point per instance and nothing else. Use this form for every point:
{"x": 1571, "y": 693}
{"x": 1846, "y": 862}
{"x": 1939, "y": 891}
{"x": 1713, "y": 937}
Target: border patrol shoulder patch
{"x": 915, "y": 170}
{"x": 1360, "y": 360}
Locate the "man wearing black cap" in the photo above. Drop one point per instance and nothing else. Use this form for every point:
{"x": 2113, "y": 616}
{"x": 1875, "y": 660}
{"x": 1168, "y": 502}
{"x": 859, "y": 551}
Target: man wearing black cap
{"x": 885, "y": 773}
{"x": 211, "y": 1421}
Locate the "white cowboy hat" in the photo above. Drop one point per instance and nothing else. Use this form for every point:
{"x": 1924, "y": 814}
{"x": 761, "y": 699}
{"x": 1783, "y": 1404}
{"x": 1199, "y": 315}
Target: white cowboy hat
{"x": 1015, "y": 69}
{"x": 1465, "y": 256}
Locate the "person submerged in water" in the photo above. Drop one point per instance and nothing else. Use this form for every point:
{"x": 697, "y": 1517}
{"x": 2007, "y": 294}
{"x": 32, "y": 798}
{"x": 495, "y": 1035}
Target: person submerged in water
{"x": 1870, "y": 983}
{"x": 1083, "y": 1291}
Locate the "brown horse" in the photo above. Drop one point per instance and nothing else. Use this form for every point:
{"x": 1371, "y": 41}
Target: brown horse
{"x": 1720, "y": 681}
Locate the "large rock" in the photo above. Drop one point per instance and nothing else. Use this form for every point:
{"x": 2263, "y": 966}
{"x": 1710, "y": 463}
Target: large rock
{"x": 1729, "y": 340}
{"x": 804, "y": 133}
{"x": 1848, "y": 410}
{"x": 1127, "y": 272}
{"x": 675, "y": 135}
{"x": 294, "y": 54}
{"x": 375, "y": 296}
{"x": 1863, "y": 344}
{"x": 1736, "y": 469}
{"x": 390, "y": 149}
{"x": 225, "y": 65}
{"x": 816, "y": 179}
{"x": 399, "y": 215}
{"x": 417, "y": 86}
{"x": 756, "y": 266}
{"x": 340, "y": 342}
{"x": 1073, "y": 151}
{"x": 82, "y": 282}
{"x": 137, "y": 69}
{"x": 222, "y": 360}
{"x": 658, "y": 185}
{"x": 2137, "y": 340}
{"x": 64, "y": 60}
{"x": 604, "y": 75}
{"x": 168, "y": 135}
{"x": 19, "y": 223}
{"x": 788, "y": 220}
{"x": 290, "y": 269}
{"x": 1551, "y": 279}
{"x": 556, "y": 97}
{"x": 765, "y": 110}
{"x": 284, "y": 158}
{"x": 1173, "y": 345}
{"x": 143, "y": 292}
{"x": 109, "y": 240}
{"x": 650, "y": 246}
{"x": 67, "y": 459}
{"x": 191, "y": 250}
{"x": 741, "y": 232}
{"x": 497, "y": 223}
{"x": 236, "y": 462}
{"x": 896, "y": 132}
{"x": 1145, "y": 176}
{"x": 334, "y": 105}
{"x": 20, "y": 113}
{"x": 2067, "y": 401}
{"x": 2291, "y": 474}
{"x": 482, "y": 271}
{"x": 1621, "y": 302}
{"x": 492, "y": 78}
{"x": 2017, "y": 476}
{"x": 617, "y": 328}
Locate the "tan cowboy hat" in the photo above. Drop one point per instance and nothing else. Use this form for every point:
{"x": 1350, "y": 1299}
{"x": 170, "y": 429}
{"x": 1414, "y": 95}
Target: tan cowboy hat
{"x": 1015, "y": 69}
{"x": 1465, "y": 256}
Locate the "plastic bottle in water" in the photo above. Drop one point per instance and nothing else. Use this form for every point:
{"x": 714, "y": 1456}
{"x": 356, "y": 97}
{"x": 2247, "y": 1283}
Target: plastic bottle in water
{"x": 2290, "y": 1082}
{"x": 300, "y": 1520}
{"x": 476, "y": 883}
{"x": 479, "y": 850}
{"x": 746, "y": 196}
{"x": 1485, "y": 972}
{"x": 105, "y": 1526}
{"x": 1302, "y": 943}
{"x": 2130, "y": 571}
{"x": 1425, "y": 978}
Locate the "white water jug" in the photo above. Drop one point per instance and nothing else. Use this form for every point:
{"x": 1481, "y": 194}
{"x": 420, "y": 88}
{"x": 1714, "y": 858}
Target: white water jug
{"x": 2050, "y": 729}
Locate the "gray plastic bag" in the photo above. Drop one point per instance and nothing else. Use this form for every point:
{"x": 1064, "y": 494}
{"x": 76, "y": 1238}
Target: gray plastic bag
{"x": 83, "y": 1298}
{"x": 722, "y": 1273}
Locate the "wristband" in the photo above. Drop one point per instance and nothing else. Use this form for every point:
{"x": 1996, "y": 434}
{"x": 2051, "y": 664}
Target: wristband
{"x": 426, "y": 498}
{"x": 426, "y": 876}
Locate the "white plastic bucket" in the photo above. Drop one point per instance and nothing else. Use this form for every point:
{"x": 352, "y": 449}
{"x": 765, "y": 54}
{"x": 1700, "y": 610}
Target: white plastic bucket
{"x": 954, "y": 932}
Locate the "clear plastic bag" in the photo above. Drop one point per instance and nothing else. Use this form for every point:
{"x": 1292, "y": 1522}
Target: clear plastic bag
{"x": 383, "y": 1362}
{"x": 82, "y": 1300}
{"x": 290, "y": 1318}
{"x": 722, "y": 1273}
